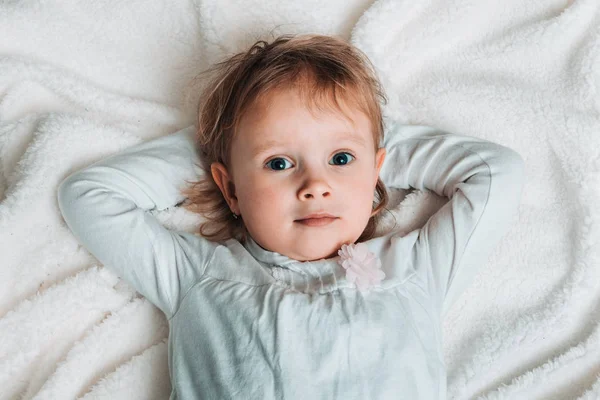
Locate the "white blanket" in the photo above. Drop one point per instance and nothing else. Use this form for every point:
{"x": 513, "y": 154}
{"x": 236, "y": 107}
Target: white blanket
{"x": 82, "y": 80}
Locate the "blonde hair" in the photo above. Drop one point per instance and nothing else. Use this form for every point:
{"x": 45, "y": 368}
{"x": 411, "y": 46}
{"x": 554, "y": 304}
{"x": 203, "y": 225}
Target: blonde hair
{"x": 323, "y": 68}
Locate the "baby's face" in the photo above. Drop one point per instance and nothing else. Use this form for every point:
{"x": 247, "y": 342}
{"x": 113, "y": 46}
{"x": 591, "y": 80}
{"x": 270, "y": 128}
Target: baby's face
{"x": 288, "y": 163}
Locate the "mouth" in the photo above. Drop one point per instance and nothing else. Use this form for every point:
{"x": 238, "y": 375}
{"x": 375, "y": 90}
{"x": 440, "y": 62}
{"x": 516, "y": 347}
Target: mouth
{"x": 321, "y": 220}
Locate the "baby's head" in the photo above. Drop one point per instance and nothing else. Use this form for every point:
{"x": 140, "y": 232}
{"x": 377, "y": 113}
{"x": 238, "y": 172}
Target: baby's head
{"x": 287, "y": 129}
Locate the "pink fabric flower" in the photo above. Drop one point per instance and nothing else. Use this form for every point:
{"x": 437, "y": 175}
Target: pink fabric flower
{"x": 362, "y": 266}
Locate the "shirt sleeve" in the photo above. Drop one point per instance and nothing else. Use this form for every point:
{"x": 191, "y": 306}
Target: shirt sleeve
{"x": 107, "y": 204}
{"x": 483, "y": 181}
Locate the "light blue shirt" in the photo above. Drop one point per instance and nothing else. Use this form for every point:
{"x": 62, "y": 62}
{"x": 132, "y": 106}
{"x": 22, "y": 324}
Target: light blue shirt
{"x": 247, "y": 323}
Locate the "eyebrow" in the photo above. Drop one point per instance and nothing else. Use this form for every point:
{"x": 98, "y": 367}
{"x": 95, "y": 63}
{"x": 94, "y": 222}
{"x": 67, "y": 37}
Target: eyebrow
{"x": 266, "y": 146}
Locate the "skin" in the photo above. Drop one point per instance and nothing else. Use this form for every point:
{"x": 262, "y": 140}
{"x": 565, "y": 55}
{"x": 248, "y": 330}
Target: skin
{"x": 315, "y": 167}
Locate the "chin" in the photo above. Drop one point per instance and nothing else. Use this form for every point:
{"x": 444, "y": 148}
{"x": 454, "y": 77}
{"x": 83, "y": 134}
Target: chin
{"x": 318, "y": 255}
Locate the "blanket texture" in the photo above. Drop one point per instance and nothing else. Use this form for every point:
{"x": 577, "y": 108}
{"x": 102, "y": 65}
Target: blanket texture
{"x": 80, "y": 81}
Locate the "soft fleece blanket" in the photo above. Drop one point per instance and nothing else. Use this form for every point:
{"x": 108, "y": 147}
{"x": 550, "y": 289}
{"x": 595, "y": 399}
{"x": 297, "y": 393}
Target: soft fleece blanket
{"x": 82, "y": 80}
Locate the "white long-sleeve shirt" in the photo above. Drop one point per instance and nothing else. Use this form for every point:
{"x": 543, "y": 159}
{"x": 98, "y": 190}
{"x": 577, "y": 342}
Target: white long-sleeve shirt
{"x": 247, "y": 323}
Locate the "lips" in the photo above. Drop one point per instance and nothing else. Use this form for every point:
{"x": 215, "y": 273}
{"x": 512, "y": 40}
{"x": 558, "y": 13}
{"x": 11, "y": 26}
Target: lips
{"x": 317, "y": 215}
{"x": 317, "y": 219}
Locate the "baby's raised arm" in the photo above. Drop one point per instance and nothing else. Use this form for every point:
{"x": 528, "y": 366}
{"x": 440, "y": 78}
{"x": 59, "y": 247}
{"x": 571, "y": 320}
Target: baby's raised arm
{"x": 483, "y": 180}
{"x": 106, "y": 207}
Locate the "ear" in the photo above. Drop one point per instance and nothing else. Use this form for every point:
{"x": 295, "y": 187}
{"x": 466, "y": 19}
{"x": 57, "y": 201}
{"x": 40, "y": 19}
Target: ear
{"x": 225, "y": 183}
{"x": 379, "y": 158}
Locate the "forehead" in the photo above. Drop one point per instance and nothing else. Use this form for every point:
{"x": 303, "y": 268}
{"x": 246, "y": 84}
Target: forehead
{"x": 287, "y": 114}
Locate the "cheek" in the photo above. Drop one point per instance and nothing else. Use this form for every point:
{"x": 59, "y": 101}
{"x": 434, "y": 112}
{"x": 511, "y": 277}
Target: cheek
{"x": 257, "y": 195}
{"x": 361, "y": 191}
{"x": 360, "y": 184}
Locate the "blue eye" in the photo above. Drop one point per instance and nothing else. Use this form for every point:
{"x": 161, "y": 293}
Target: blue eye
{"x": 342, "y": 158}
{"x": 278, "y": 164}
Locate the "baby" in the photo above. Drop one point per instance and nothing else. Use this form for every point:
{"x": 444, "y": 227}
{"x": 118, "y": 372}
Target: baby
{"x": 287, "y": 292}
{"x": 291, "y": 132}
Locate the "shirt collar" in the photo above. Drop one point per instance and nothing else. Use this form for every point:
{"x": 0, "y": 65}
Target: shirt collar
{"x": 274, "y": 258}
{"x": 321, "y": 275}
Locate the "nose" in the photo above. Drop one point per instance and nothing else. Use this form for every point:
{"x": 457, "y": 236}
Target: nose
{"x": 314, "y": 187}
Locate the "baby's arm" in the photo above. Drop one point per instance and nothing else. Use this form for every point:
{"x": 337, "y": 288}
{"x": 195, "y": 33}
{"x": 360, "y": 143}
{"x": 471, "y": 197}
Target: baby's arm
{"x": 483, "y": 180}
{"x": 106, "y": 207}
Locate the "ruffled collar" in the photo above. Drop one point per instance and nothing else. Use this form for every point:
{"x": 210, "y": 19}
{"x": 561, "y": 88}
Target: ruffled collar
{"x": 274, "y": 258}
{"x": 354, "y": 266}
